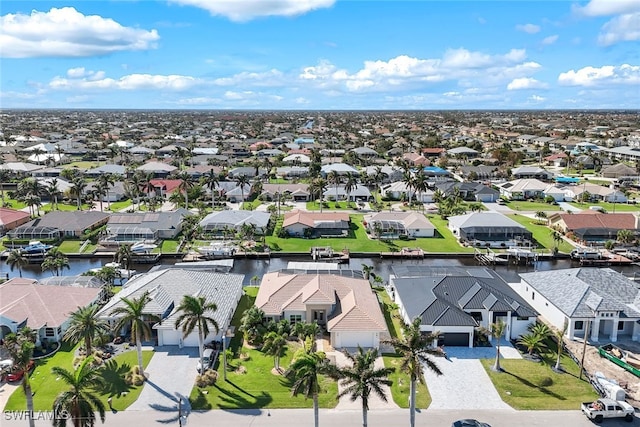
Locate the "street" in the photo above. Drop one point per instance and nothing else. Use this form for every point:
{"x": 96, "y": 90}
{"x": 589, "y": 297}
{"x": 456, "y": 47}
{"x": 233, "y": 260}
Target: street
{"x": 332, "y": 417}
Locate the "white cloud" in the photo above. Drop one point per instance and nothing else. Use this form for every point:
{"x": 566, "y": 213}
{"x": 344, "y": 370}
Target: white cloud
{"x": 65, "y": 32}
{"x": 536, "y": 98}
{"x": 621, "y": 28}
{"x": 526, "y": 83}
{"x": 605, "y": 75}
{"x": 81, "y": 72}
{"x": 528, "y": 28}
{"x": 550, "y": 39}
{"x": 128, "y": 82}
{"x": 608, "y": 7}
{"x": 246, "y": 10}
{"x": 198, "y": 101}
{"x": 271, "y": 78}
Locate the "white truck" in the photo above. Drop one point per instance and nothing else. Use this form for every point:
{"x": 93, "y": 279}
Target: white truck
{"x": 608, "y": 408}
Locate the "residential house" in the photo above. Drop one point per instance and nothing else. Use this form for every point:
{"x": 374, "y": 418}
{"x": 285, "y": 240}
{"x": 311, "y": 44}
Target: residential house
{"x": 480, "y": 172}
{"x": 531, "y": 172}
{"x": 598, "y": 299}
{"x": 333, "y": 224}
{"x": 489, "y": 228}
{"x": 592, "y": 226}
{"x": 43, "y": 308}
{"x": 359, "y": 193}
{"x": 416, "y": 159}
{"x": 163, "y": 187}
{"x": 463, "y": 152}
{"x": 594, "y": 192}
{"x": 390, "y": 173}
{"x": 297, "y": 192}
{"x": 116, "y": 191}
{"x": 158, "y": 169}
{"x": 618, "y": 171}
{"x": 524, "y": 189}
{"x": 366, "y": 152}
{"x": 107, "y": 169}
{"x": 340, "y": 168}
{"x": 297, "y": 159}
{"x": 59, "y": 224}
{"x": 391, "y": 225}
{"x": 292, "y": 172}
{"x": 166, "y": 290}
{"x": 342, "y": 303}
{"x": 217, "y": 223}
{"x": 125, "y": 227}
{"x": 398, "y": 190}
{"x": 455, "y": 301}
{"x": 470, "y": 191}
{"x": 11, "y": 218}
{"x": 248, "y": 171}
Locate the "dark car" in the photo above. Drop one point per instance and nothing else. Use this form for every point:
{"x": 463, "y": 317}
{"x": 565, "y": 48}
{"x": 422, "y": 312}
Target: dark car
{"x": 469, "y": 423}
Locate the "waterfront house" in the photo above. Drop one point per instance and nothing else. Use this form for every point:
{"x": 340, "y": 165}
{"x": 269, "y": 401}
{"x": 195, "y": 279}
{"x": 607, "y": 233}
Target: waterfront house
{"x": 11, "y": 218}
{"x": 601, "y": 297}
{"x": 591, "y": 226}
{"x": 454, "y": 301}
{"x": 132, "y": 227}
{"x": 489, "y": 229}
{"x": 60, "y": 224}
{"x": 333, "y": 224}
{"x": 167, "y": 288}
{"x": 470, "y": 191}
{"x": 394, "y": 224}
{"x": 359, "y": 193}
{"x": 342, "y": 303}
{"x": 219, "y": 222}
{"x": 398, "y": 190}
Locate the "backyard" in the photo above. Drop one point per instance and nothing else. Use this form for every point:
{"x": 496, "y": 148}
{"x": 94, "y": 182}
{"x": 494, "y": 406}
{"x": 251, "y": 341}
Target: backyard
{"x": 541, "y": 233}
{"x": 73, "y": 247}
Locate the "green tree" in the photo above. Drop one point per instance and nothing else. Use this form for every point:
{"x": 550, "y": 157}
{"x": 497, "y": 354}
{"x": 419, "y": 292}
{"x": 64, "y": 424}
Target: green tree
{"x": 305, "y": 371}
{"x": 275, "y": 344}
{"x": 132, "y": 313}
{"x": 335, "y": 179}
{"x": 84, "y": 325}
{"x": 20, "y": 347}
{"x": 497, "y": 330}
{"x": 362, "y": 378}
{"x": 186, "y": 184}
{"x": 367, "y": 270}
{"x": 195, "y": 312}
{"x": 15, "y": 259}
{"x": 532, "y": 342}
{"x": 350, "y": 184}
{"x": 559, "y": 336}
{"x": 625, "y": 236}
{"x": 541, "y": 216}
{"x": 211, "y": 181}
{"x": 414, "y": 348}
{"x": 242, "y": 181}
{"x": 124, "y": 256}
{"x": 78, "y": 187}
{"x": 252, "y": 324}
{"x": 79, "y": 402}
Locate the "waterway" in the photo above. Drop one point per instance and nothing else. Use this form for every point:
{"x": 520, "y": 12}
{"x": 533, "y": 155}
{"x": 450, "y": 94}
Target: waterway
{"x": 258, "y": 267}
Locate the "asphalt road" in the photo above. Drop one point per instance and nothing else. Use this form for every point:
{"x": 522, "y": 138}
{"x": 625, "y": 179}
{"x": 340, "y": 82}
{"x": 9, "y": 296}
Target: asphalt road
{"x": 331, "y": 417}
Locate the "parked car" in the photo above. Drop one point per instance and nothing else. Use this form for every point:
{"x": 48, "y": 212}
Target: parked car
{"x": 607, "y": 408}
{"x": 469, "y": 423}
{"x": 207, "y": 360}
{"x": 16, "y": 374}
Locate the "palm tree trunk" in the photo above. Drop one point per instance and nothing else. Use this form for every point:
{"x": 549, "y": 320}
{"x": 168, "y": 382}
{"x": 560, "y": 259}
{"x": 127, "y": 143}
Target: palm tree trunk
{"x": 201, "y": 348}
{"x": 316, "y": 412}
{"x": 496, "y": 365}
{"x": 412, "y": 404}
{"x": 101, "y": 203}
{"x": 364, "y": 412}
{"x": 87, "y": 345}
{"x": 139, "y": 349}
{"x": 26, "y": 386}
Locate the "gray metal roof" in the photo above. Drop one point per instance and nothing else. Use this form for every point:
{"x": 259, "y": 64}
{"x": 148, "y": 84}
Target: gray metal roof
{"x": 236, "y": 219}
{"x": 577, "y": 292}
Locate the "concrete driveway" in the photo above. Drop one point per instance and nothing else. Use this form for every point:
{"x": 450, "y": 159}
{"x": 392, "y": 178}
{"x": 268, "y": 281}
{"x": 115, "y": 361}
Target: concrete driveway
{"x": 171, "y": 373}
{"x": 464, "y": 383}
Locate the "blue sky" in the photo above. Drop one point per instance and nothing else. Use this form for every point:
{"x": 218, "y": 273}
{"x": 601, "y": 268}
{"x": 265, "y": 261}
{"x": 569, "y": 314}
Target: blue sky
{"x": 320, "y": 54}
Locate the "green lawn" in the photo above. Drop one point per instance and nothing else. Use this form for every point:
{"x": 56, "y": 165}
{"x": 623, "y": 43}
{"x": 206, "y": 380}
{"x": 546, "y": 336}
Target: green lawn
{"x": 14, "y": 204}
{"x": 258, "y": 387}
{"x": 390, "y": 310}
{"x": 529, "y": 206}
{"x": 81, "y": 164}
{"x": 46, "y": 386}
{"x": 342, "y": 205}
{"x": 401, "y": 383}
{"x": 251, "y": 206}
{"x": 527, "y": 385}
{"x": 168, "y": 247}
{"x": 541, "y": 233}
{"x": 118, "y": 206}
{"x": 609, "y": 207}
{"x": 73, "y": 247}
{"x": 64, "y": 207}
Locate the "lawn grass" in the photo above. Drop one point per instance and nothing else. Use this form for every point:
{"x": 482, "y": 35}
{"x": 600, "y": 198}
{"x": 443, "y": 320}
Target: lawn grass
{"x": 73, "y": 247}
{"x": 390, "y": 310}
{"x": 522, "y": 384}
{"x": 169, "y": 246}
{"x": 14, "y": 204}
{"x": 341, "y": 205}
{"x": 258, "y": 387}
{"x": 541, "y": 233}
{"x": 401, "y": 384}
{"x": 444, "y": 240}
{"x": 251, "y": 206}
{"x": 64, "y": 207}
{"x": 530, "y": 206}
{"x": 81, "y": 164}
{"x": 46, "y": 386}
{"x": 118, "y": 206}
{"x": 609, "y": 207}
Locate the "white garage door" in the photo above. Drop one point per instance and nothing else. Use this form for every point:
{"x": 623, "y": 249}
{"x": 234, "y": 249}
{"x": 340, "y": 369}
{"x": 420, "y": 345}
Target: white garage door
{"x": 354, "y": 339}
{"x": 172, "y": 337}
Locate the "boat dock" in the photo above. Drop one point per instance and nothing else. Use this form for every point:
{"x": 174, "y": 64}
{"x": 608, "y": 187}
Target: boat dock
{"x": 404, "y": 253}
{"x": 515, "y": 255}
{"x": 328, "y": 254}
{"x": 488, "y": 257}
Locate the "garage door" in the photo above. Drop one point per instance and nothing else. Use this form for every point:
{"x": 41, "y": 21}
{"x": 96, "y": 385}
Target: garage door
{"x": 354, "y": 339}
{"x": 460, "y": 339}
{"x": 171, "y": 337}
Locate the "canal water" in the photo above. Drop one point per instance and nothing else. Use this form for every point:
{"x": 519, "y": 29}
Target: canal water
{"x": 258, "y": 267}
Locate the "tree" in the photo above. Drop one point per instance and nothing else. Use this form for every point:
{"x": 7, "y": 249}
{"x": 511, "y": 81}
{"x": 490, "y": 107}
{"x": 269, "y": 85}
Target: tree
{"x": 559, "y": 336}
{"x": 124, "y": 256}
{"x": 20, "y": 347}
{"x": 241, "y": 182}
{"x": 275, "y": 344}
{"x": 362, "y": 378}
{"x": 5, "y": 176}
{"x": 304, "y": 330}
{"x": 78, "y": 185}
{"x": 252, "y": 324}
{"x": 350, "y": 184}
{"x": 407, "y": 179}
{"x": 84, "y": 325}
{"x": 53, "y": 191}
{"x": 186, "y": 184}
{"x": 557, "y": 239}
{"x": 133, "y": 313}
{"x": 541, "y": 216}
{"x": 104, "y": 183}
{"x": 211, "y": 181}
{"x": 367, "y": 270}
{"x": 17, "y": 259}
{"x": 335, "y": 179}
{"x": 78, "y": 401}
{"x": 56, "y": 261}
{"x": 624, "y": 236}
{"x": 414, "y": 348}
{"x": 195, "y": 312}
{"x": 532, "y": 342}
{"x": 304, "y": 370}
{"x": 497, "y": 330}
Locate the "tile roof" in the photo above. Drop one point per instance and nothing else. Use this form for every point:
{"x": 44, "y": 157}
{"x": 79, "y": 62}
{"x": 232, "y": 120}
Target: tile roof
{"x": 594, "y": 219}
{"x": 9, "y": 216}
{"x": 311, "y": 219}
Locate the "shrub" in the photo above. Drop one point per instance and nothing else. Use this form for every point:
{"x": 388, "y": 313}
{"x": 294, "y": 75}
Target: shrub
{"x": 545, "y": 382}
{"x": 133, "y": 377}
{"x": 208, "y": 378}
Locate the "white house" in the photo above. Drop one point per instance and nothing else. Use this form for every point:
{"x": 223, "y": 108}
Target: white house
{"x": 393, "y": 224}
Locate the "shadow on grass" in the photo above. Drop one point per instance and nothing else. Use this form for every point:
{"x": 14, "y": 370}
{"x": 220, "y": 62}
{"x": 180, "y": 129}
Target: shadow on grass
{"x": 230, "y": 399}
{"x": 532, "y": 385}
{"x": 113, "y": 374}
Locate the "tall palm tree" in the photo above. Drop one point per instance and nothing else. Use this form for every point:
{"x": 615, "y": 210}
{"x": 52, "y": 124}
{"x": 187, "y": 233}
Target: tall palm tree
{"x": 211, "y": 180}
{"x": 362, "y": 378}
{"x": 335, "y": 179}
{"x": 497, "y": 330}
{"x": 195, "y": 312}
{"x": 85, "y": 325}
{"x": 55, "y": 260}
{"x": 186, "y": 184}
{"x": 124, "y": 256}
{"x": 53, "y": 191}
{"x": 317, "y": 188}
{"x": 350, "y": 184}
{"x": 78, "y": 185}
{"x": 133, "y": 313}
{"x": 274, "y": 345}
{"x": 252, "y": 324}
{"x": 5, "y": 176}
{"x": 420, "y": 185}
{"x": 79, "y": 401}
{"x": 305, "y": 370}
{"x": 241, "y": 181}
{"x": 105, "y": 182}
{"x": 407, "y": 179}
{"x": 559, "y": 336}
{"x": 17, "y": 259}
{"x": 415, "y": 350}
{"x": 21, "y": 347}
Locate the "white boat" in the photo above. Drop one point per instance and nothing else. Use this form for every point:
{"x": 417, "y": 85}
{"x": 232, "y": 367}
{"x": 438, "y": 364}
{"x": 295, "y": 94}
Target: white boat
{"x": 142, "y": 247}
{"x": 217, "y": 249}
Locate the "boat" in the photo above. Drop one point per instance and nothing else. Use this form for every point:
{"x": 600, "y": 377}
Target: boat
{"x": 143, "y": 247}
{"x": 217, "y": 249}
{"x": 36, "y": 248}
{"x": 123, "y": 273}
{"x": 620, "y": 357}
{"x": 581, "y": 254}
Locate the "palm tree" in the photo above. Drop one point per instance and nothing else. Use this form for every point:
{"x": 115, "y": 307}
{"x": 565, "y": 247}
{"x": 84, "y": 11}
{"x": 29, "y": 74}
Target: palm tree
{"x": 55, "y": 260}
{"x": 362, "y": 378}
{"x": 541, "y": 216}
{"x": 497, "y": 330}
{"x": 78, "y": 401}
{"x": 186, "y": 183}
{"x": 350, "y": 184}
{"x": 133, "y": 313}
{"x": 557, "y": 239}
{"x": 559, "y": 336}
{"x": 335, "y": 179}
{"x": 53, "y": 191}
{"x": 532, "y": 342}
{"x": 420, "y": 184}
{"x": 241, "y": 181}
{"x": 211, "y": 181}
{"x": 305, "y": 370}
{"x": 414, "y": 348}
{"x": 409, "y": 182}
{"x": 252, "y": 324}
{"x": 124, "y": 256}
{"x": 5, "y": 175}
{"x": 317, "y": 188}
{"x": 105, "y": 182}
{"x": 85, "y": 325}
{"x": 275, "y": 345}
{"x": 195, "y": 313}
{"x": 367, "y": 270}
{"x": 20, "y": 347}
{"x": 78, "y": 185}
{"x": 624, "y": 236}
{"x": 17, "y": 259}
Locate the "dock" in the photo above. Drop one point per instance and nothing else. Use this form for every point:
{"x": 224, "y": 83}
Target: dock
{"x": 404, "y": 253}
{"x": 488, "y": 257}
{"x": 328, "y": 254}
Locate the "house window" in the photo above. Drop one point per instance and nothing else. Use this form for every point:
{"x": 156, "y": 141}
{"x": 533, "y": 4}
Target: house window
{"x": 49, "y": 332}
{"x": 533, "y": 295}
{"x": 523, "y": 318}
{"x": 620, "y": 326}
{"x": 579, "y": 325}
{"x": 295, "y": 318}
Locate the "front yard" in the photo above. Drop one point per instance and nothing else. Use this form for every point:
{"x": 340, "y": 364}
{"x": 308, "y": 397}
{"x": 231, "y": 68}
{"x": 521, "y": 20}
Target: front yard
{"x": 532, "y": 206}
{"x": 609, "y": 207}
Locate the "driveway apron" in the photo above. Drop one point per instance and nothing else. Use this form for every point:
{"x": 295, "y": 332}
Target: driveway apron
{"x": 171, "y": 373}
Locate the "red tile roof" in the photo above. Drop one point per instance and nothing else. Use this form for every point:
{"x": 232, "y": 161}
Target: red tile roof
{"x": 9, "y": 216}
{"x": 594, "y": 219}
{"x": 309, "y": 218}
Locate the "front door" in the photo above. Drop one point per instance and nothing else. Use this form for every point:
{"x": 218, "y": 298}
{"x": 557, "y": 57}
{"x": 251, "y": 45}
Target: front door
{"x": 319, "y": 317}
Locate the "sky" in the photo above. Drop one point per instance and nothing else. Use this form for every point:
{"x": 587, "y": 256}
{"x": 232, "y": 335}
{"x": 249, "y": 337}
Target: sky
{"x": 320, "y": 54}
